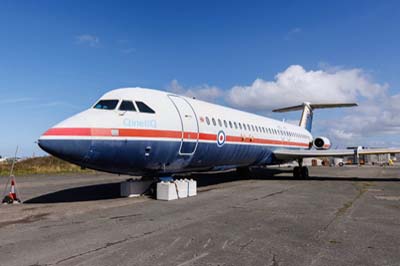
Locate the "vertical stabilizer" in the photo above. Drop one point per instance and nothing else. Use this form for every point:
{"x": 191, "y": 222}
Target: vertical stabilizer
{"x": 307, "y": 115}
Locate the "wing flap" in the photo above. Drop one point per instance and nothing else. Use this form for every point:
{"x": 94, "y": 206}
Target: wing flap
{"x": 378, "y": 151}
{"x": 299, "y": 154}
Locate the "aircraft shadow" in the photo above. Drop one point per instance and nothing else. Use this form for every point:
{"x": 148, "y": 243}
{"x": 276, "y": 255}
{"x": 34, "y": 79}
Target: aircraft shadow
{"x": 112, "y": 190}
{"x": 206, "y": 179}
{"x": 76, "y": 194}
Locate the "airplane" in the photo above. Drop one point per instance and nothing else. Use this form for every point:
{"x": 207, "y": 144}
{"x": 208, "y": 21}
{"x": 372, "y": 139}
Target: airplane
{"x": 152, "y": 133}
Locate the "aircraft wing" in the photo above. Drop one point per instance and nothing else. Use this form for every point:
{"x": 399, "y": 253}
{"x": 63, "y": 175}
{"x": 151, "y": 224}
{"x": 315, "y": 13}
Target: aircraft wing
{"x": 377, "y": 151}
{"x": 283, "y": 154}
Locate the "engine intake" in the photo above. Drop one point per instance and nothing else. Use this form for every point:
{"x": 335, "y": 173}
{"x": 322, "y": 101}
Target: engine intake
{"x": 321, "y": 143}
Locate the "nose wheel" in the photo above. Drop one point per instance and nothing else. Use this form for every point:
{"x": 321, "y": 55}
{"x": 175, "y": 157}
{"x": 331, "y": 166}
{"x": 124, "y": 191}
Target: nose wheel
{"x": 300, "y": 171}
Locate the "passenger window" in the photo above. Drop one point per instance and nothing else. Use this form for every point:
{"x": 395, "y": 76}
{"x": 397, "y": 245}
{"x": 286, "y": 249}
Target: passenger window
{"x": 127, "y": 106}
{"x": 257, "y": 128}
{"x": 144, "y": 108}
{"x": 252, "y": 127}
{"x": 213, "y": 121}
{"x": 230, "y": 124}
{"x": 207, "y": 120}
{"x": 225, "y": 124}
{"x": 240, "y": 125}
{"x": 244, "y": 126}
{"x": 219, "y": 122}
{"x": 106, "y": 104}
{"x": 234, "y": 123}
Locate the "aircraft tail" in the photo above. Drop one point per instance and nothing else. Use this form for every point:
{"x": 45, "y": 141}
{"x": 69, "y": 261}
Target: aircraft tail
{"x": 307, "y": 115}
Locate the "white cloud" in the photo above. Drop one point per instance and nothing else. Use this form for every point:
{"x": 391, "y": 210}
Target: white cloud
{"x": 341, "y": 134}
{"x": 292, "y": 32}
{"x": 128, "y": 50}
{"x": 375, "y": 121}
{"x": 16, "y": 100}
{"x": 202, "y": 92}
{"x": 88, "y": 39}
{"x": 295, "y": 30}
{"x": 296, "y": 85}
{"x": 378, "y": 117}
{"x": 59, "y": 104}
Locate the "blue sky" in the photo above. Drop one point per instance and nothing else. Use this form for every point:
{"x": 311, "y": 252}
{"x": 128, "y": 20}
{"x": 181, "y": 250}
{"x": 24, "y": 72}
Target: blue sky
{"x": 58, "y": 57}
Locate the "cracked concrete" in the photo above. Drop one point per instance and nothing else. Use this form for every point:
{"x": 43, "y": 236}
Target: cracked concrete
{"x": 330, "y": 219}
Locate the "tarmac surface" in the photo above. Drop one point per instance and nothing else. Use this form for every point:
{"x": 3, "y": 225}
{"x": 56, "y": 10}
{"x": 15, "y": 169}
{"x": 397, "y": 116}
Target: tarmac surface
{"x": 339, "y": 216}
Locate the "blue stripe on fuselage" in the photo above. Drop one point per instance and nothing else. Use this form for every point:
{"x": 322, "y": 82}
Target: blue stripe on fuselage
{"x": 141, "y": 157}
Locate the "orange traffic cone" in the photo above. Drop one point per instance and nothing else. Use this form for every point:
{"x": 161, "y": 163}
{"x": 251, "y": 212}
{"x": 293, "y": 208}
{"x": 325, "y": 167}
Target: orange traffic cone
{"x": 12, "y": 196}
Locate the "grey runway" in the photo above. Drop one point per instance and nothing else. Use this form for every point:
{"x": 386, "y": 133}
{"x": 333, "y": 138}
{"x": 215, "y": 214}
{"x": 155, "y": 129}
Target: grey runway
{"x": 340, "y": 216}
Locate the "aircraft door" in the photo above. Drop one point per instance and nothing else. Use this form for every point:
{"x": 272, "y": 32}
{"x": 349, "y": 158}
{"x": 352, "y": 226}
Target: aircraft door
{"x": 190, "y": 127}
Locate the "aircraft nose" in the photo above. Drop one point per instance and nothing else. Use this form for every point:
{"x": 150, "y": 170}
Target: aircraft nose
{"x": 55, "y": 143}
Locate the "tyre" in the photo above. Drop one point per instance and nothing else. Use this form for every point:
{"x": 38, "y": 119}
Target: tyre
{"x": 304, "y": 172}
{"x": 296, "y": 172}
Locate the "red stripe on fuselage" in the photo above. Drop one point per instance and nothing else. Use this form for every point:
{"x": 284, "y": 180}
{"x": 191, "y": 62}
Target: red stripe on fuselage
{"x": 58, "y": 131}
{"x": 154, "y": 133}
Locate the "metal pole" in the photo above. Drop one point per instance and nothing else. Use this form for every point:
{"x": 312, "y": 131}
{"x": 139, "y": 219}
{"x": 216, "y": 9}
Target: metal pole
{"x": 14, "y": 160}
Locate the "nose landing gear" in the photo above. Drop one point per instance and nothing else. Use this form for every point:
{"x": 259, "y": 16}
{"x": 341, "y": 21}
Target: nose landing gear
{"x": 300, "y": 171}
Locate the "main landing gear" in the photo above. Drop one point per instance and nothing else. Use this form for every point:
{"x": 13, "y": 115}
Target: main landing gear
{"x": 300, "y": 171}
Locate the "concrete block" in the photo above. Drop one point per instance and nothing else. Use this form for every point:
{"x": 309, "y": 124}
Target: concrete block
{"x": 166, "y": 191}
{"x": 182, "y": 187}
{"x": 134, "y": 188}
{"x": 192, "y": 187}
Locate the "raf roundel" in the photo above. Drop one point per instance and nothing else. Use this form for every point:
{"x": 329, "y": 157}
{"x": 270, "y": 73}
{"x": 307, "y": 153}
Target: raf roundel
{"x": 221, "y": 138}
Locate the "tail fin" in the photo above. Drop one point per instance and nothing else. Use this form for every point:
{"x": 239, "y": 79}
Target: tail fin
{"x": 307, "y": 115}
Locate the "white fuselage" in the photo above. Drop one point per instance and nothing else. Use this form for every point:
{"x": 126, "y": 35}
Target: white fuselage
{"x": 182, "y": 134}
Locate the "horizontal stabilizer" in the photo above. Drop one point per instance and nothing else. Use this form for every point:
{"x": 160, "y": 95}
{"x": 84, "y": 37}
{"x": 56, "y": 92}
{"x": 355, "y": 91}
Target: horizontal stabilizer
{"x": 308, "y": 108}
{"x": 314, "y": 106}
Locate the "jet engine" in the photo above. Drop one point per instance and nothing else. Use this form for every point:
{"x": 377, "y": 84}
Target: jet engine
{"x": 321, "y": 143}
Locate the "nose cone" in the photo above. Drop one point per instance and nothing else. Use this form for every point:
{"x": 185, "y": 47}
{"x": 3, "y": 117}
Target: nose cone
{"x": 60, "y": 143}
{"x": 69, "y": 139}
{"x": 64, "y": 147}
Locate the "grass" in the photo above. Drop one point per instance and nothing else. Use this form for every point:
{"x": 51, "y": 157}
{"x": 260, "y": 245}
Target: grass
{"x": 41, "y": 165}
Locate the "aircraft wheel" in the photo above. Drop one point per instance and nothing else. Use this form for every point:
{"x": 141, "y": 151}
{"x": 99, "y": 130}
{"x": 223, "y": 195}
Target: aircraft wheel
{"x": 304, "y": 172}
{"x": 296, "y": 172}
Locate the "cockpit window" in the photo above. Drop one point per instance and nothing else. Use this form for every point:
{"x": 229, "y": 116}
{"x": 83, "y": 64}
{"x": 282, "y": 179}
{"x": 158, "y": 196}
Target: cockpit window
{"x": 143, "y": 108}
{"x": 127, "y": 106}
{"x": 106, "y": 104}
